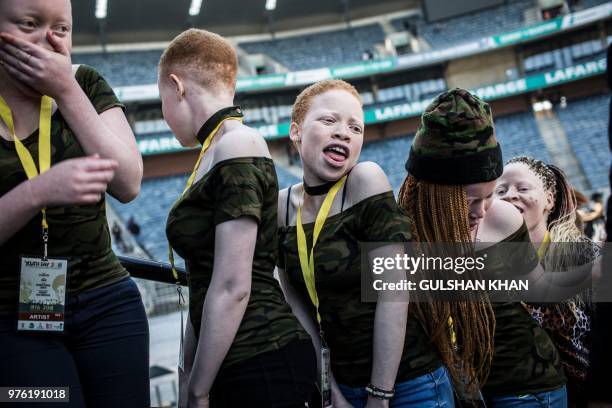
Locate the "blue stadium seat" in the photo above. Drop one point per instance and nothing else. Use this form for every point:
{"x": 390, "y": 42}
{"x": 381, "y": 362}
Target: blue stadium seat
{"x": 321, "y": 49}
{"x": 123, "y": 68}
{"x": 518, "y": 134}
{"x": 150, "y": 209}
{"x": 496, "y": 20}
{"x": 586, "y": 123}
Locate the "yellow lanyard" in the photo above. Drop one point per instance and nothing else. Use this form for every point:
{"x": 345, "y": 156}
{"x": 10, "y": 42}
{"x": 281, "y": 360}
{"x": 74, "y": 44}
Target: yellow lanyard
{"x": 306, "y": 260}
{"x": 544, "y": 246}
{"x": 44, "y": 148}
{"x": 191, "y": 179}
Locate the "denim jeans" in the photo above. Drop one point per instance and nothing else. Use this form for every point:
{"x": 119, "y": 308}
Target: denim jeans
{"x": 102, "y": 356}
{"x": 431, "y": 390}
{"x": 549, "y": 399}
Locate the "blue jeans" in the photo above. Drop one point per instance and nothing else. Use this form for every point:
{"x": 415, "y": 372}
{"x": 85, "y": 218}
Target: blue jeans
{"x": 549, "y": 399}
{"x": 102, "y": 356}
{"x": 431, "y": 390}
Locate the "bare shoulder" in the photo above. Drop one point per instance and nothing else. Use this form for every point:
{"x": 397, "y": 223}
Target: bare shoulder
{"x": 242, "y": 141}
{"x": 366, "y": 179}
{"x": 503, "y": 219}
{"x": 292, "y": 204}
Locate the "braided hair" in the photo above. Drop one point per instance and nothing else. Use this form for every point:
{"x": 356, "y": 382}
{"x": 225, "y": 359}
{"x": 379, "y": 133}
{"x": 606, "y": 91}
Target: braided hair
{"x": 439, "y": 213}
{"x": 570, "y": 247}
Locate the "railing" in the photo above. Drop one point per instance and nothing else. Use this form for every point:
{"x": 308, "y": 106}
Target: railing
{"x": 163, "y": 378}
{"x": 152, "y": 270}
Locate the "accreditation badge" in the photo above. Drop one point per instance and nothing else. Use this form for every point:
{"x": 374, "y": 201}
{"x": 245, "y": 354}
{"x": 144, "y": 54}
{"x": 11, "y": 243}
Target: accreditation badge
{"x": 42, "y": 294}
{"x": 326, "y": 400}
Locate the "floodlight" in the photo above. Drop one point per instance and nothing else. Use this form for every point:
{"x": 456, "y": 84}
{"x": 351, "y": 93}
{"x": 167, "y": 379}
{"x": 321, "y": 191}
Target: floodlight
{"x": 101, "y": 8}
{"x": 195, "y": 7}
{"x": 270, "y": 5}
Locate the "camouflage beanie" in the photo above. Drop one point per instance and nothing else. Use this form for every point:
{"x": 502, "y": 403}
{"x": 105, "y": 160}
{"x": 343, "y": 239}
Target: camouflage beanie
{"x": 455, "y": 143}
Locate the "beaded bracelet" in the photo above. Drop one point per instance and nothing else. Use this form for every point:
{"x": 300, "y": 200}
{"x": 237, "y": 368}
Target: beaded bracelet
{"x": 379, "y": 393}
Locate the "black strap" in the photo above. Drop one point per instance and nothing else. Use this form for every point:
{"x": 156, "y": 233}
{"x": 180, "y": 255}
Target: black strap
{"x": 341, "y": 204}
{"x": 287, "y": 212}
{"x": 344, "y": 188}
{"x": 215, "y": 119}
{"x": 320, "y": 189}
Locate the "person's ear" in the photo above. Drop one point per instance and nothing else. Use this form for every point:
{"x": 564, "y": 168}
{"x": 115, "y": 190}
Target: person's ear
{"x": 550, "y": 202}
{"x": 294, "y": 133}
{"x": 178, "y": 86}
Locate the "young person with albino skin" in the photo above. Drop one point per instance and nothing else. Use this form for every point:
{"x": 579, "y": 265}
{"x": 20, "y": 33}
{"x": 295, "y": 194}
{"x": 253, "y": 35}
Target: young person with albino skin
{"x": 103, "y": 353}
{"x": 547, "y": 202}
{"x": 371, "y": 347}
{"x": 452, "y": 170}
{"x": 243, "y": 346}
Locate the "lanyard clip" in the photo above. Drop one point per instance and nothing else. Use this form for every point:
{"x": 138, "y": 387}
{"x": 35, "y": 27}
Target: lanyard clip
{"x": 181, "y": 297}
{"x": 45, "y": 238}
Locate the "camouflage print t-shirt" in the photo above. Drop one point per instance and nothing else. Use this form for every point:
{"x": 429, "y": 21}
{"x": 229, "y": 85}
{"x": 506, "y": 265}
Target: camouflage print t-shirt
{"x": 347, "y": 322}
{"x": 79, "y": 233}
{"x": 525, "y": 360}
{"x": 233, "y": 188}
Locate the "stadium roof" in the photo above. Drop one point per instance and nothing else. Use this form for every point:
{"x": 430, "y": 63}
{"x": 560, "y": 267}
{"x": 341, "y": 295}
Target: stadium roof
{"x": 160, "y": 20}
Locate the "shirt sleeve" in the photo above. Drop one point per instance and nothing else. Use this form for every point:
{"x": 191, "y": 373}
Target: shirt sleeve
{"x": 513, "y": 257}
{"x": 239, "y": 190}
{"x": 96, "y": 88}
{"x": 383, "y": 220}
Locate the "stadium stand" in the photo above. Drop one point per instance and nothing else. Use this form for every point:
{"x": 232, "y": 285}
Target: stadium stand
{"x": 320, "y": 49}
{"x": 586, "y": 124}
{"x": 495, "y": 20}
{"x": 415, "y": 91}
{"x": 441, "y": 34}
{"x": 151, "y": 209}
{"x": 590, "y": 3}
{"x": 563, "y": 57}
{"x": 584, "y": 121}
{"x": 285, "y": 179}
{"x": 517, "y": 133}
{"x": 123, "y": 68}
{"x": 390, "y": 155}
{"x": 348, "y": 45}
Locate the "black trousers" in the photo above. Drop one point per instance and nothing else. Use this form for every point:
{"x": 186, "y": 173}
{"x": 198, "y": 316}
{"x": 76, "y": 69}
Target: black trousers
{"x": 103, "y": 356}
{"x": 282, "y": 378}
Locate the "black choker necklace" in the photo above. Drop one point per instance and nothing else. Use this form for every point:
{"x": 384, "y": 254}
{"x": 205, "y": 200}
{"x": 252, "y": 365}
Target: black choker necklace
{"x": 318, "y": 190}
{"x": 215, "y": 119}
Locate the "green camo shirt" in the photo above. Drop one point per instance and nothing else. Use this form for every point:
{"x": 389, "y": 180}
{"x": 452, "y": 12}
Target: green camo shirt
{"x": 525, "y": 360}
{"x": 234, "y": 188}
{"x": 79, "y": 233}
{"x": 347, "y": 322}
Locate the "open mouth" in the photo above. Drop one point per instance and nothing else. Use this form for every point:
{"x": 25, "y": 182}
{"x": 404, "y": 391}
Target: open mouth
{"x": 520, "y": 209}
{"x": 336, "y": 153}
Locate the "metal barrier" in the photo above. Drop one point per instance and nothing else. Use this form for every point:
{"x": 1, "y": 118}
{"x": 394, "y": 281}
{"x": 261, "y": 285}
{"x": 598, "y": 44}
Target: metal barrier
{"x": 152, "y": 270}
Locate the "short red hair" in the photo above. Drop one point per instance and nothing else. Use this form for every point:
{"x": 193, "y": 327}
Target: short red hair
{"x": 304, "y": 99}
{"x": 202, "y": 56}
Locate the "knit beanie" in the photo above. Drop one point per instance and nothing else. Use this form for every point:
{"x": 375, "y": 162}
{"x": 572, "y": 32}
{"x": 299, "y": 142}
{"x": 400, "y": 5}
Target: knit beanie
{"x": 455, "y": 143}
